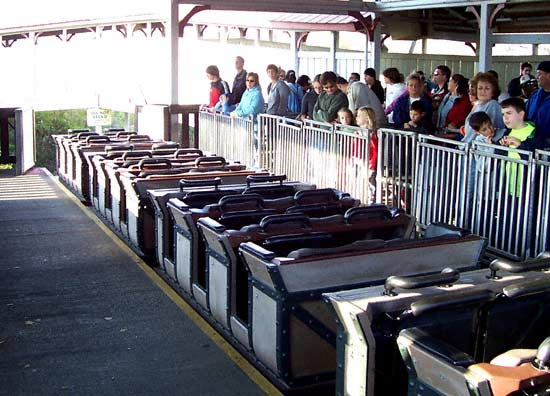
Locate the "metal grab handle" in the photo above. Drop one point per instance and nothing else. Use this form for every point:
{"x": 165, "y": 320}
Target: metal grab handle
{"x": 119, "y": 147}
{"x": 460, "y": 298}
{"x": 154, "y": 163}
{"x": 83, "y": 135}
{"x": 445, "y": 277}
{"x": 136, "y": 154}
{"x": 367, "y": 212}
{"x": 533, "y": 286}
{"x": 502, "y": 264}
{"x": 97, "y": 139}
{"x": 187, "y": 151}
{"x": 79, "y": 131}
{"x": 264, "y": 179}
{"x": 133, "y": 138}
{"x": 211, "y": 182}
{"x": 285, "y": 220}
{"x": 210, "y": 161}
{"x": 125, "y": 134}
{"x": 242, "y": 202}
{"x": 164, "y": 146}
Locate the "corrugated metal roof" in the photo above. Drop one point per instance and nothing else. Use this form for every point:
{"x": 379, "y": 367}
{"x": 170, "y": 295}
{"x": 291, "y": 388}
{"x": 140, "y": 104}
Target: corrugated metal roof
{"x": 290, "y": 21}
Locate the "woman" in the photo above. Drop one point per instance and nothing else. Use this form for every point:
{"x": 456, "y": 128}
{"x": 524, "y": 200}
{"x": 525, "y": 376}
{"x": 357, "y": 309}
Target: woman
{"x": 456, "y": 105}
{"x": 252, "y": 101}
{"x": 487, "y": 91}
{"x": 296, "y": 93}
{"x": 394, "y": 88}
{"x": 312, "y": 91}
{"x": 402, "y": 105}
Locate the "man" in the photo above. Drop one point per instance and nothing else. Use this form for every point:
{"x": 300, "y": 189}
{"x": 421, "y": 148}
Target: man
{"x": 538, "y": 105}
{"x": 360, "y": 95}
{"x": 528, "y": 85}
{"x": 354, "y": 77}
{"x": 218, "y": 87}
{"x": 239, "y": 83}
{"x": 514, "y": 89}
{"x": 441, "y": 77}
{"x": 330, "y": 100}
{"x": 374, "y": 84}
{"x": 277, "y": 100}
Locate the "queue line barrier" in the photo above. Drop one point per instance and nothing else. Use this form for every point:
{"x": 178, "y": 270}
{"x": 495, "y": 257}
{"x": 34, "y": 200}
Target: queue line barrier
{"x": 497, "y": 192}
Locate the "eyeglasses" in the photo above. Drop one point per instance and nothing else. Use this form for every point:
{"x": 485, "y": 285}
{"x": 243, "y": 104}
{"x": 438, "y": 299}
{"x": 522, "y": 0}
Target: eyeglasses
{"x": 436, "y": 74}
{"x": 251, "y": 81}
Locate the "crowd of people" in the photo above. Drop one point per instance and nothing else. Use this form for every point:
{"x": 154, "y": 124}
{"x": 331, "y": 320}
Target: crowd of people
{"x": 443, "y": 104}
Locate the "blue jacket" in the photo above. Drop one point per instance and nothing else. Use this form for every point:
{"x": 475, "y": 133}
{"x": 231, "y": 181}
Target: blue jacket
{"x": 538, "y": 111}
{"x": 401, "y": 108}
{"x": 252, "y": 102}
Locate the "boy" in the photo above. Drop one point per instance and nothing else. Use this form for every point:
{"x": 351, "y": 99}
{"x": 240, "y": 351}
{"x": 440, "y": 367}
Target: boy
{"x": 417, "y": 114}
{"x": 481, "y": 123}
{"x": 520, "y": 135}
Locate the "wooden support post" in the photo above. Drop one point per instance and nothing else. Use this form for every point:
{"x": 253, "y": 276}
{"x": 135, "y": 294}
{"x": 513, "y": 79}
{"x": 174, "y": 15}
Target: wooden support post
{"x": 485, "y": 48}
{"x": 172, "y": 37}
{"x": 332, "y": 64}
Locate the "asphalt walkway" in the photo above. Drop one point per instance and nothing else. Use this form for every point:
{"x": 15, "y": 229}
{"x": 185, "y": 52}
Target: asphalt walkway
{"x": 80, "y": 314}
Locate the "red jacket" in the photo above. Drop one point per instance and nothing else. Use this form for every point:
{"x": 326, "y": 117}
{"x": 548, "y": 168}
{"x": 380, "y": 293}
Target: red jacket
{"x": 460, "y": 110}
{"x": 217, "y": 88}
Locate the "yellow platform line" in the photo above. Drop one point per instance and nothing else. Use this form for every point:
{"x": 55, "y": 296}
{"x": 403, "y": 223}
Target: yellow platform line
{"x": 202, "y": 324}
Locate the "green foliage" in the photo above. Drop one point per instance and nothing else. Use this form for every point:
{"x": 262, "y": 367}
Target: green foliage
{"x": 49, "y": 123}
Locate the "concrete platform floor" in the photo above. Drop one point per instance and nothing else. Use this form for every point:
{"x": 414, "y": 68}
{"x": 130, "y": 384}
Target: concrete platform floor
{"x": 80, "y": 314}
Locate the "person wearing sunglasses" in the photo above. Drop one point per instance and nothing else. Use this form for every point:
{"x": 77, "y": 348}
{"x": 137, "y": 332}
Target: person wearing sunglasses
{"x": 252, "y": 101}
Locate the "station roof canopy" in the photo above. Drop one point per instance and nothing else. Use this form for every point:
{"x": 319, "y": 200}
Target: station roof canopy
{"x": 402, "y": 19}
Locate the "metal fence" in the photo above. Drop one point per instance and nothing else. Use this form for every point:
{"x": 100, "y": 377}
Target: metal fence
{"x": 542, "y": 211}
{"x": 231, "y": 138}
{"x": 323, "y": 154}
{"x": 496, "y": 192}
{"x": 396, "y": 168}
{"x": 502, "y": 198}
{"x": 441, "y": 182}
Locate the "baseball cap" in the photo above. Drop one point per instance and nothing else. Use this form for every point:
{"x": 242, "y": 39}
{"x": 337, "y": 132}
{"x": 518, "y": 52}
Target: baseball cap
{"x": 544, "y": 66}
{"x": 527, "y": 80}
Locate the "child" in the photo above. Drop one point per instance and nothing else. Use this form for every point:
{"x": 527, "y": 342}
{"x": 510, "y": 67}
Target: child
{"x": 345, "y": 117}
{"x": 417, "y": 114}
{"x": 366, "y": 119}
{"x": 481, "y": 123}
{"x": 520, "y": 135}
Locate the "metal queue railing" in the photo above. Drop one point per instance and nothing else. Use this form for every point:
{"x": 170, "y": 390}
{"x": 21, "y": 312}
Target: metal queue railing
{"x": 349, "y": 163}
{"x": 231, "y": 138}
{"x": 476, "y": 186}
{"x": 441, "y": 182}
{"x": 542, "y": 203}
{"x": 319, "y": 156}
{"x": 502, "y": 198}
{"x": 396, "y": 167}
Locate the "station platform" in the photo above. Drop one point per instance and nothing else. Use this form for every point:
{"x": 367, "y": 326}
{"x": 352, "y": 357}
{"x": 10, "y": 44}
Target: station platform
{"x": 81, "y": 314}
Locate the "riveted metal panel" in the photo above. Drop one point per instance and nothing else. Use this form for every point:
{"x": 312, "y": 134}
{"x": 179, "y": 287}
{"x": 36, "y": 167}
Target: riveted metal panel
{"x": 218, "y": 290}
{"x": 183, "y": 262}
{"x": 264, "y": 328}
